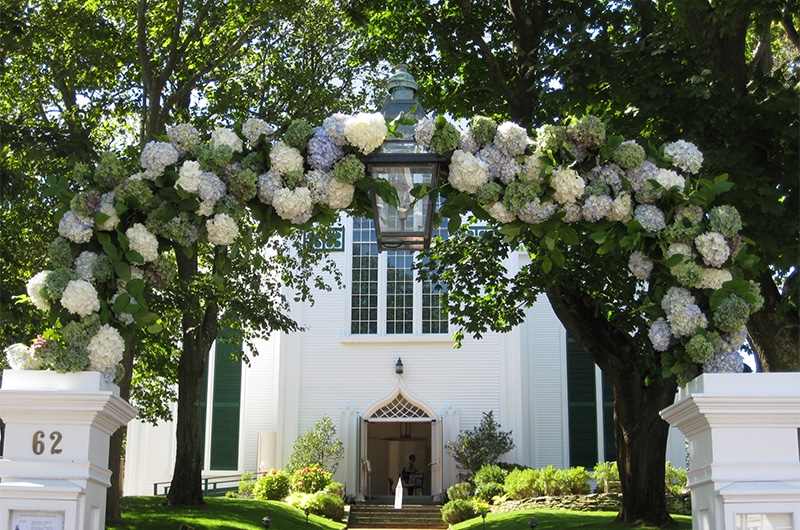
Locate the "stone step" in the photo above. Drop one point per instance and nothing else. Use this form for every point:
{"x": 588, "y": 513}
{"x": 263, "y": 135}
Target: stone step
{"x": 385, "y": 516}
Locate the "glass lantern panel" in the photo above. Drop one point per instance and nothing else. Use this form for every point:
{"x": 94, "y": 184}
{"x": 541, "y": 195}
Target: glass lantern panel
{"x": 409, "y": 216}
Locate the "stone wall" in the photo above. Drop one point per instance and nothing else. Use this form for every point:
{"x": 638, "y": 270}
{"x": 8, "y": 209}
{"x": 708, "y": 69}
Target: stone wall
{"x": 594, "y": 502}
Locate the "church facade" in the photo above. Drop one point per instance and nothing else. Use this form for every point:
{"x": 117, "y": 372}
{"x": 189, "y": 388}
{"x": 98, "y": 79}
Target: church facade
{"x": 377, "y": 357}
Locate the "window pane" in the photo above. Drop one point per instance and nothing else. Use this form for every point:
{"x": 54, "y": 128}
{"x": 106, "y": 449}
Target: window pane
{"x": 399, "y": 292}
{"x": 364, "y": 300}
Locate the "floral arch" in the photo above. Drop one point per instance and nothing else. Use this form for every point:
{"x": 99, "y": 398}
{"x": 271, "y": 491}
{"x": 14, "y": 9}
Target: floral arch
{"x": 118, "y": 231}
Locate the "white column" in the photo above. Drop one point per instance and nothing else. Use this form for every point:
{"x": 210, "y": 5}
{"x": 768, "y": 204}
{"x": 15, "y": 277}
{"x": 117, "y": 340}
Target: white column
{"x": 54, "y": 472}
{"x": 744, "y": 449}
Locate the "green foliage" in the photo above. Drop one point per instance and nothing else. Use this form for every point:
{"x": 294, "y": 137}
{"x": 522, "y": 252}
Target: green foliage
{"x": 459, "y": 510}
{"x": 246, "y": 485}
{"x": 522, "y": 484}
{"x": 319, "y": 447}
{"x": 484, "y": 444}
{"x": 460, "y": 490}
{"x": 328, "y": 505}
{"x": 489, "y": 473}
{"x": 605, "y": 472}
{"x": 273, "y": 485}
{"x": 310, "y": 479}
{"x": 675, "y": 479}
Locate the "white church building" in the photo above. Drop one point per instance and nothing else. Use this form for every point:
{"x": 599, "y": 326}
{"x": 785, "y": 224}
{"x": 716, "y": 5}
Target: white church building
{"x": 377, "y": 357}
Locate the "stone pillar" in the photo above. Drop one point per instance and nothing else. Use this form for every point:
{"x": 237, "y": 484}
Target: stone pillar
{"x": 744, "y": 449}
{"x": 54, "y": 471}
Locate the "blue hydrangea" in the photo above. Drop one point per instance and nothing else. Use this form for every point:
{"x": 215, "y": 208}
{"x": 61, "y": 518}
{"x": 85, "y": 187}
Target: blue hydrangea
{"x": 502, "y": 167}
{"x": 323, "y": 152}
{"x": 537, "y": 212}
{"x": 595, "y": 207}
{"x": 210, "y": 188}
{"x": 650, "y": 217}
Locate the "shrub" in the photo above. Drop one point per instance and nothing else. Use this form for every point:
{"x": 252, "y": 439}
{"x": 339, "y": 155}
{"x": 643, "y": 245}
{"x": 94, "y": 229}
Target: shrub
{"x": 246, "y": 485}
{"x": 458, "y": 510}
{"x": 675, "y": 479}
{"x": 577, "y": 479}
{"x": 490, "y": 473}
{"x": 327, "y": 505}
{"x": 318, "y": 446}
{"x": 310, "y": 479}
{"x": 460, "y": 490}
{"x": 522, "y": 484}
{"x": 484, "y": 444}
{"x": 605, "y": 472}
{"x": 488, "y": 491}
{"x": 272, "y": 486}
{"x": 335, "y": 488}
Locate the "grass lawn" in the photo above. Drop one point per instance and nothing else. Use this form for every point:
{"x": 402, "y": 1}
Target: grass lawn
{"x": 559, "y": 519}
{"x": 147, "y": 513}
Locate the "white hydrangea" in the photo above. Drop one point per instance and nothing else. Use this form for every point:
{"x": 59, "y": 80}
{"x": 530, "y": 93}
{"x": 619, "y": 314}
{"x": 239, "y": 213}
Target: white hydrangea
{"x": 511, "y": 138}
{"x": 532, "y": 168}
{"x": 105, "y": 351}
{"x": 222, "y": 136}
{"x": 253, "y": 128}
{"x": 340, "y": 194}
{"x": 156, "y": 156}
{"x": 183, "y": 136}
{"x": 84, "y": 264}
{"x": 284, "y": 159}
{"x": 684, "y": 155}
{"x": 366, "y": 131}
{"x": 621, "y": 209}
{"x": 423, "y": 131}
{"x": 205, "y": 209}
{"x": 467, "y": 173}
{"x": 292, "y": 204}
{"x": 76, "y": 228}
{"x": 80, "y": 298}
{"x": 21, "y": 357}
{"x": 35, "y": 286}
{"x": 107, "y": 208}
{"x": 222, "y": 229}
{"x": 569, "y": 185}
{"x": 499, "y": 212}
{"x": 668, "y": 178}
{"x": 679, "y": 248}
{"x": 142, "y": 241}
{"x": 189, "y": 176}
{"x": 714, "y": 278}
{"x": 713, "y": 248}
{"x": 683, "y": 314}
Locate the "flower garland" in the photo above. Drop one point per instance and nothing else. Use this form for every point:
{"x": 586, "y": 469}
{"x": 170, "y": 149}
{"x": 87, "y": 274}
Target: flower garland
{"x": 115, "y": 241}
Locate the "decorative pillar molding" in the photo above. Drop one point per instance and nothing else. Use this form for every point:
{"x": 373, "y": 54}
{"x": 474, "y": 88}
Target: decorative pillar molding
{"x": 54, "y": 472}
{"x": 744, "y": 449}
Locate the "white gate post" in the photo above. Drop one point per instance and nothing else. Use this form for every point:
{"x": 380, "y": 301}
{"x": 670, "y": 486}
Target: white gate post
{"x": 744, "y": 449}
{"x": 54, "y": 471}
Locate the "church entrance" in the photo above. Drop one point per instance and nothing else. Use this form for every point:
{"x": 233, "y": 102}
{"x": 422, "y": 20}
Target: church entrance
{"x": 389, "y": 435}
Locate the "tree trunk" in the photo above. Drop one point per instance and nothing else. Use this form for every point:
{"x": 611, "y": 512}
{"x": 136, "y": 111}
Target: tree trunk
{"x": 775, "y": 334}
{"x": 115, "y": 451}
{"x": 641, "y": 437}
{"x": 200, "y": 325}
{"x": 641, "y": 434}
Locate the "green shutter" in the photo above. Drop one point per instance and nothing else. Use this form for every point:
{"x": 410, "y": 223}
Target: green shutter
{"x": 608, "y": 421}
{"x": 226, "y": 405}
{"x": 582, "y": 406}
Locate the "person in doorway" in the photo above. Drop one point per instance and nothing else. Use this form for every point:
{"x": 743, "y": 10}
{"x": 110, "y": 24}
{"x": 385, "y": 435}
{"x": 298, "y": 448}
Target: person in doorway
{"x": 409, "y": 474}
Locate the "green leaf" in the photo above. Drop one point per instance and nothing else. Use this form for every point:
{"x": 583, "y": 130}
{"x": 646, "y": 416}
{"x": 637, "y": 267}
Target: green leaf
{"x": 155, "y": 328}
{"x": 135, "y": 287}
{"x": 134, "y": 257}
{"x": 547, "y": 265}
{"x": 111, "y": 250}
{"x": 123, "y": 270}
{"x": 674, "y": 260}
{"x": 122, "y": 302}
{"x": 558, "y": 258}
{"x": 103, "y": 238}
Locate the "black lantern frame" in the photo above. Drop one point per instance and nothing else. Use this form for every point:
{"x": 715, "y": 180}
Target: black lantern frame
{"x": 405, "y": 165}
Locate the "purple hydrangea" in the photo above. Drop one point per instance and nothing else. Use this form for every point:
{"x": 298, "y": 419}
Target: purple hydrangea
{"x": 323, "y": 152}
